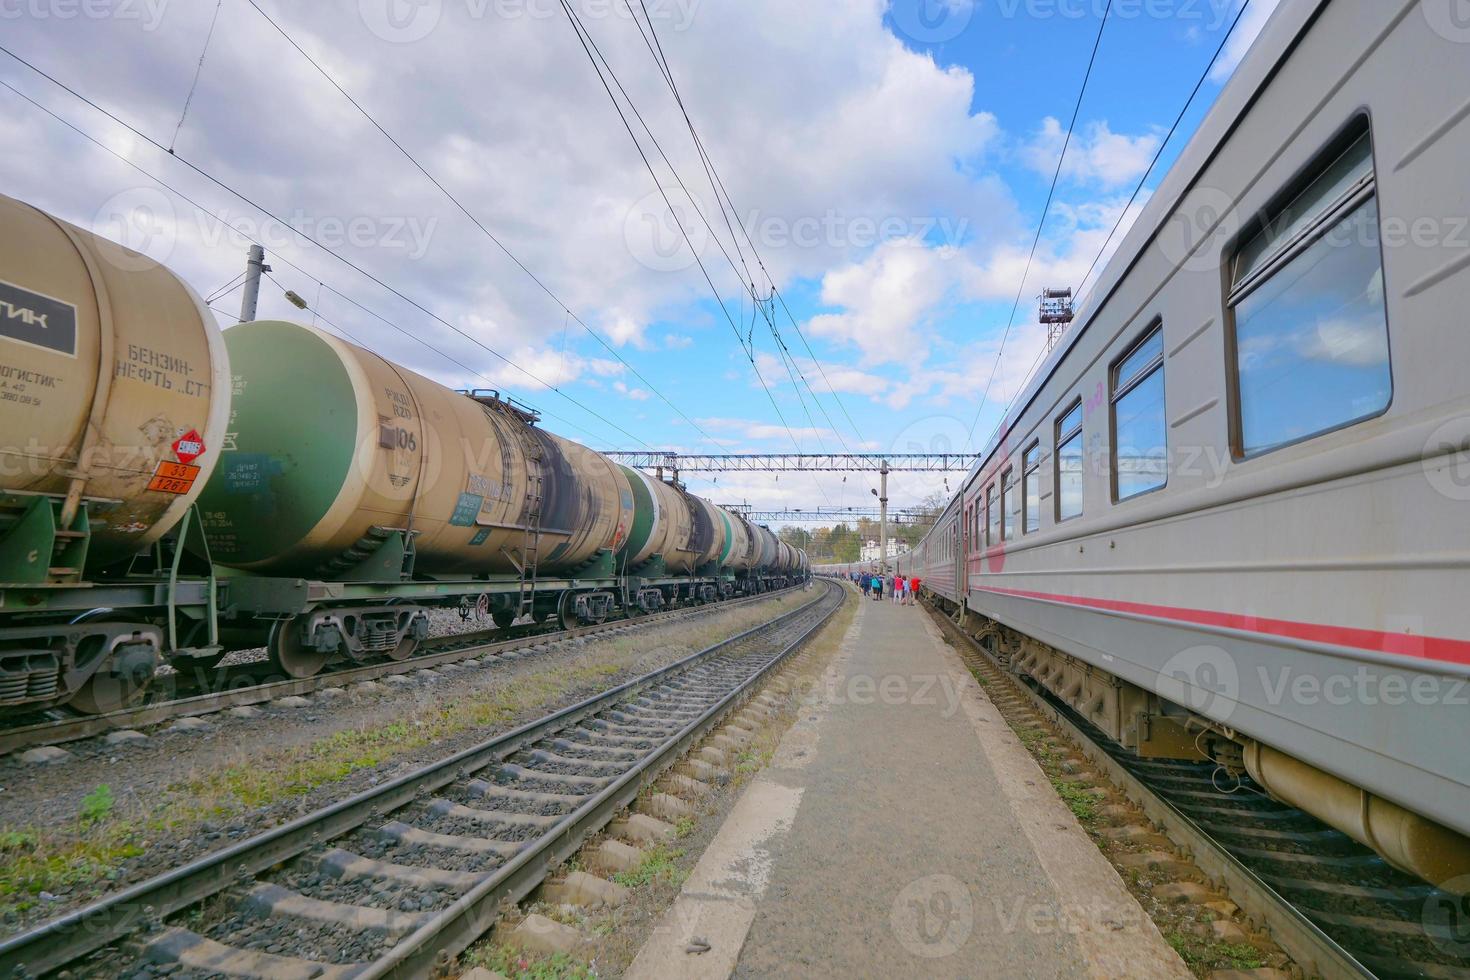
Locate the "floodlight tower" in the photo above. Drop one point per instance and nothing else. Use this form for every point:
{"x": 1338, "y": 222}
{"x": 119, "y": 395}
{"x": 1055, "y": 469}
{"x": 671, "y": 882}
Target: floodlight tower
{"x": 1056, "y": 313}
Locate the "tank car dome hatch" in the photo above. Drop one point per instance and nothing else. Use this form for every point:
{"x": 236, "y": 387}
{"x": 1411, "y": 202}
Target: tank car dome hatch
{"x": 115, "y": 382}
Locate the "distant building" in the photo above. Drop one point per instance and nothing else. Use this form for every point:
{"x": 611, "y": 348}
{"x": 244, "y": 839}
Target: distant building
{"x": 871, "y": 551}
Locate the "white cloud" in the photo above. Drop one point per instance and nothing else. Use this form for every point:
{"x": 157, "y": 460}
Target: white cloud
{"x": 1096, "y": 154}
{"x": 888, "y": 299}
{"x": 633, "y": 394}
{"x": 841, "y": 118}
{"x": 763, "y": 431}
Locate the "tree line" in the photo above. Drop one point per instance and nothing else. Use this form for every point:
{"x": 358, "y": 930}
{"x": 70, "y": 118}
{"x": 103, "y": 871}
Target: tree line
{"x": 843, "y": 542}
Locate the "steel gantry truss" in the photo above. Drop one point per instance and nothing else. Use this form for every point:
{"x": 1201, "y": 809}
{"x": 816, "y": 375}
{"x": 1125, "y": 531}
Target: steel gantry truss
{"x": 670, "y": 463}
{"x": 798, "y": 515}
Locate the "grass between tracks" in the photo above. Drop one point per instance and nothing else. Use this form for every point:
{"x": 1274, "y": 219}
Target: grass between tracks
{"x": 1186, "y": 927}
{"x": 86, "y": 852}
{"x": 613, "y": 937}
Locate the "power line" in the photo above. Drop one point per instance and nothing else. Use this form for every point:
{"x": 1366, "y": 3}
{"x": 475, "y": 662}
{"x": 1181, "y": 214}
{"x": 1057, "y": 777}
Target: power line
{"x": 301, "y": 234}
{"x": 585, "y": 41}
{"x": 476, "y": 221}
{"x": 1172, "y": 129}
{"x": 220, "y": 221}
{"x": 1056, "y": 178}
{"x": 722, "y": 197}
{"x": 1116, "y": 225}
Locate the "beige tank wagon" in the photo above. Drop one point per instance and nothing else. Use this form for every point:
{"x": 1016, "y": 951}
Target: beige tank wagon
{"x": 114, "y": 394}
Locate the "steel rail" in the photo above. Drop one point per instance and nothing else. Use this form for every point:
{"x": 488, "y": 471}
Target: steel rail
{"x": 58, "y": 731}
{"x": 1317, "y": 953}
{"x": 455, "y": 928}
{"x": 145, "y": 905}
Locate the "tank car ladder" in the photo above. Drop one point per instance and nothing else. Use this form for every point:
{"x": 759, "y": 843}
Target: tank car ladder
{"x": 530, "y": 549}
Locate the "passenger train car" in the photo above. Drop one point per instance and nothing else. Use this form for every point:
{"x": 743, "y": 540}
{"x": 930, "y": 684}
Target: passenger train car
{"x": 1230, "y": 516}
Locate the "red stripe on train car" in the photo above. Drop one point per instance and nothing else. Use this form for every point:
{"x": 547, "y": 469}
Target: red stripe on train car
{"x": 1402, "y": 644}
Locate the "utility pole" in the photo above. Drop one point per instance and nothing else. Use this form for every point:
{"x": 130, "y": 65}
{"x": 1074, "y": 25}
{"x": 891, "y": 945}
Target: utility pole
{"x": 883, "y": 515}
{"x": 254, "y": 266}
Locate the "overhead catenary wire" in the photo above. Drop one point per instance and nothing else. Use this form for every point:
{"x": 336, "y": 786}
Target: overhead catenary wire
{"x": 1158, "y": 155}
{"x": 579, "y": 30}
{"x": 722, "y": 197}
{"x": 198, "y": 70}
{"x": 277, "y": 257}
{"x": 1041, "y": 225}
{"x": 495, "y": 239}
{"x": 218, "y": 182}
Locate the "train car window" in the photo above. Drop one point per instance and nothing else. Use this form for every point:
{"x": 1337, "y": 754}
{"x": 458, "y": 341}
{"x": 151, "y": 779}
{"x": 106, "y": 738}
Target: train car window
{"x": 1007, "y": 504}
{"x": 1069, "y": 464}
{"x": 992, "y": 518}
{"x": 1031, "y": 489}
{"x": 1309, "y": 321}
{"x": 1140, "y": 431}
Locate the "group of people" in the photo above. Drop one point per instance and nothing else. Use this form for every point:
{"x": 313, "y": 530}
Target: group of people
{"x": 900, "y": 588}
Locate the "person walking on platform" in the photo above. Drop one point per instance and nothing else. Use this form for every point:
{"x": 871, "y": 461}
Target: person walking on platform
{"x": 867, "y": 585}
{"x": 878, "y": 588}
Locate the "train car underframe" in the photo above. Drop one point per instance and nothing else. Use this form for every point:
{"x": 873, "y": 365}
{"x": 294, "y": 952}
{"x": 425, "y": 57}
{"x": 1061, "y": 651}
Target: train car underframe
{"x": 94, "y": 644}
{"x": 1153, "y": 727}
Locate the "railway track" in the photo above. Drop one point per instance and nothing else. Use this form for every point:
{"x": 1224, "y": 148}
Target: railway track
{"x": 1333, "y": 905}
{"x": 396, "y": 881}
{"x": 252, "y": 684}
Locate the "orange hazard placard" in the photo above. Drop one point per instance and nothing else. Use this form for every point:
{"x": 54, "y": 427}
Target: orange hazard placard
{"x": 173, "y": 477}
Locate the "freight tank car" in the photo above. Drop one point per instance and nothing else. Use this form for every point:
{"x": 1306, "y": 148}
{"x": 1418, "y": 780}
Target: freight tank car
{"x": 352, "y": 495}
{"x": 114, "y": 392}
{"x": 356, "y": 495}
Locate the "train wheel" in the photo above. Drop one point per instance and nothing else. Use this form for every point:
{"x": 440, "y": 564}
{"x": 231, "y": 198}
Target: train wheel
{"x": 290, "y": 655}
{"x": 406, "y": 648}
{"x": 104, "y": 691}
{"x": 503, "y": 618}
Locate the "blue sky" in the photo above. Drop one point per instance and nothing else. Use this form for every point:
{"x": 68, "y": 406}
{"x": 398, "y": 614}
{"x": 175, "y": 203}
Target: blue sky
{"x": 889, "y": 162}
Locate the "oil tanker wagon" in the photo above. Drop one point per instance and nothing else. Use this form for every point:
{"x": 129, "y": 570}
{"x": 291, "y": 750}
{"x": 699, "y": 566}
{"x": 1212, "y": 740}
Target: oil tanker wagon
{"x": 114, "y": 394}
{"x": 355, "y": 494}
{"x": 346, "y": 496}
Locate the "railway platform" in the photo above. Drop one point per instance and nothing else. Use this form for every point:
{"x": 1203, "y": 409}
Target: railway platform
{"x": 902, "y": 829}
